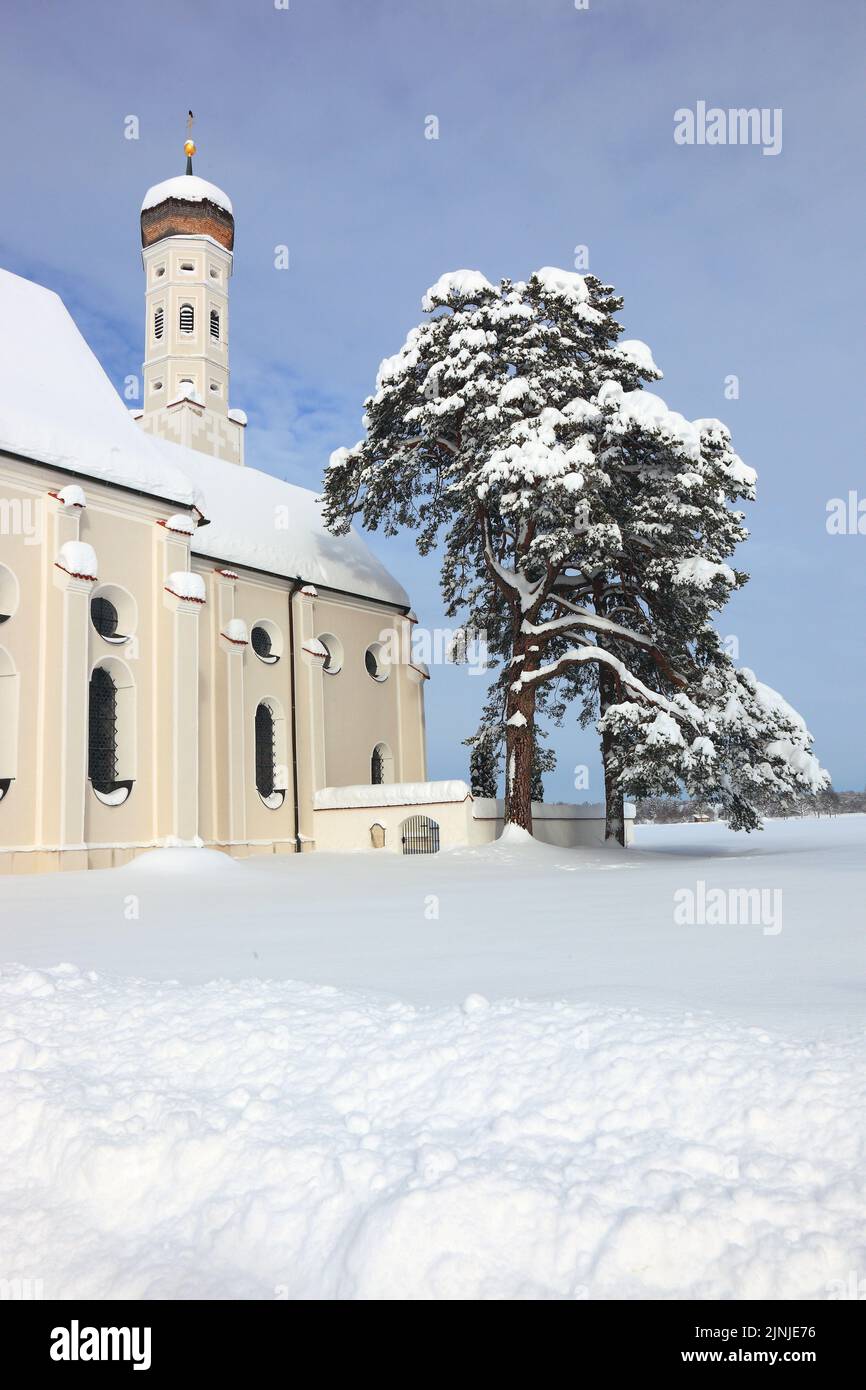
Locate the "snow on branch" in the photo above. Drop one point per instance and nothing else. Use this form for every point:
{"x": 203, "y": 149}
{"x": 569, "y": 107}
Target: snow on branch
{"x": 684, "y": 710}
{"x": 583, "y": 618}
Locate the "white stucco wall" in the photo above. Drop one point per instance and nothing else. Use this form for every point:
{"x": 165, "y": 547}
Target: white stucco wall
{"x": 341, "y": 825}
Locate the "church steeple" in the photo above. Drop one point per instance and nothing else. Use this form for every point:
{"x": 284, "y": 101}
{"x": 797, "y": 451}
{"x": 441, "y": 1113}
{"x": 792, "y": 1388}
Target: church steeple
{"x": 187, "y": 238}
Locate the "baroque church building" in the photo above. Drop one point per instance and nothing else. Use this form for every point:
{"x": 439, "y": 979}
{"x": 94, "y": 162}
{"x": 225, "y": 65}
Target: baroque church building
{"x": 186, "y": 655}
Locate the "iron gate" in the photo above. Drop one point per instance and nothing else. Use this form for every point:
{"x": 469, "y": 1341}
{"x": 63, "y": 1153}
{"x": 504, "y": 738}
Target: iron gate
{"x": 419, "y": 835}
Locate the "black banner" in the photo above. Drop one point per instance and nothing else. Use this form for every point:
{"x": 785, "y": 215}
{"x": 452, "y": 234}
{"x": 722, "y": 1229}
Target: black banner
{"x": 155, "y": 1339}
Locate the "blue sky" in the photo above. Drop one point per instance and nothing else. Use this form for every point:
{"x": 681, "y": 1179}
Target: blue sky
{"x": 555, "y": 130}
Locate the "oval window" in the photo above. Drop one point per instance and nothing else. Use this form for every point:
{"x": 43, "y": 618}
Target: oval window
{"x": 267, "y": 643}
{"x": 333, "y": 646}
{"x": 113, "y": 613}
{"x": 105, "y": 714}
{"x": 8, "y": 593}
{"x": 375, "y": 662}
{"x": 266, "y": 741}
{"x": 104, "y": 617}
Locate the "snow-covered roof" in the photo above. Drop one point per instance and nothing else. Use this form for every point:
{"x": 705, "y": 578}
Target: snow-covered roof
{"x": 190, "y": 189}
{"x": 260, "y": 522}
{"x": 58, "y": 407}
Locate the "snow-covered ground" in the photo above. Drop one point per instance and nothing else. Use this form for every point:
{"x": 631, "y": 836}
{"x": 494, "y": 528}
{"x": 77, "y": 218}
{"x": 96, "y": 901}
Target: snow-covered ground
{"x": 503, "y": 1072}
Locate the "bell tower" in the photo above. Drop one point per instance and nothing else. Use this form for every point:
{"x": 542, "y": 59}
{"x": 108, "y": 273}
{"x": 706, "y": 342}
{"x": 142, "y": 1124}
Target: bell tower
{"x": 187, "y": 239}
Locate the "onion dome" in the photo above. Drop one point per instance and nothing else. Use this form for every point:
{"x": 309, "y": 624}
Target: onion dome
{"x": 187, "y": 206}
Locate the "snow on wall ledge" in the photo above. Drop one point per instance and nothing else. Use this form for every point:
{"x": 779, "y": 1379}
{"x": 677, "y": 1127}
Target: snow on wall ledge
{"x": 485, "y": 808}
{"x": 186, "y": 585}
{"x": 78, "y": 559}
{"x": 390, "y": 794}
{"x": 429, "y": 793}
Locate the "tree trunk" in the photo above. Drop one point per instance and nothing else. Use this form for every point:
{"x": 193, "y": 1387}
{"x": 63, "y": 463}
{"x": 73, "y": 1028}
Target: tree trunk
{"x": 519, "y": 748}
{"x": 614, "y": 801}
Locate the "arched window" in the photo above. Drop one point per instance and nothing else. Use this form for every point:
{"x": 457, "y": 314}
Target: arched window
{"x": 187, "y": 318}
{"x": 266, "y": 757}
{"x": 8, "y": 723}
{"x": 102, "y": 732}
{"x": 271, "y": 768}
{"x": 111, "y": 733}
{"x": 381, "y": 765}
{"x": 215, "y": 323}
{"x": 158, "y": 322}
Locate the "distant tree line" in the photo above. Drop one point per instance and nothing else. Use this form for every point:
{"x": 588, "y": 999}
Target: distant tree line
{"x": 670, "y": 810}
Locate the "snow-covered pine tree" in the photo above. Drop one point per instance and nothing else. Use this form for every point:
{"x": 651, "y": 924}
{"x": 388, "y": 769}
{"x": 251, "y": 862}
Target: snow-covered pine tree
{"x": 484, "y": 761}
{"x": 742, "y": 748}
{"x": 672, "y": 481}
{"x": 586, "y": 526}
{"x": 669, "y": 485}
{"x": 461, "y": 442}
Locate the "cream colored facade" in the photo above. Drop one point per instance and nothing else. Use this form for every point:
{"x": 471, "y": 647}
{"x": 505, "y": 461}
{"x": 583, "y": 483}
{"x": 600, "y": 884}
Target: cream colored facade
{"x": 103, "y": 509}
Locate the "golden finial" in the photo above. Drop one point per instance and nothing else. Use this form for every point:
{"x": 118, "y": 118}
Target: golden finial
{"x": 189, "y": 143}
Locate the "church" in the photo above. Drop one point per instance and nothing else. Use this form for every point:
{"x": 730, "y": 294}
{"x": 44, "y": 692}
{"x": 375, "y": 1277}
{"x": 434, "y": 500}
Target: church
{"x": 186, "y": 655}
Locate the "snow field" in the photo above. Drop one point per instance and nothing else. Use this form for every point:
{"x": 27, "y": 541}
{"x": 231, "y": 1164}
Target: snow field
{"x": 271, "y": 1138}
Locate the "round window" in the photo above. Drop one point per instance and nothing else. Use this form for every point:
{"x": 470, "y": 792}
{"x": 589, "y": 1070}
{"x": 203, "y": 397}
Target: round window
{"x": 113, "y": 613}
{"x": 333, "y": 646}
{"x": 8, "y": 594}
{"x": 104, "y": 616}
{"x": 374, "y": 661}
{"x": 266, "y": 641}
